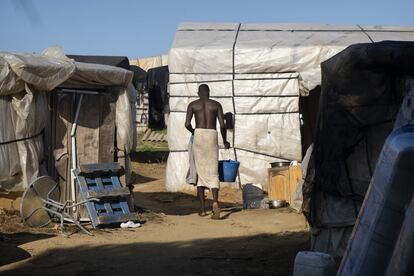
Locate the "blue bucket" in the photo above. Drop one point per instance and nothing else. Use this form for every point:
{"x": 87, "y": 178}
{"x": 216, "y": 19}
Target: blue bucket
{"x": 228, "y": 170}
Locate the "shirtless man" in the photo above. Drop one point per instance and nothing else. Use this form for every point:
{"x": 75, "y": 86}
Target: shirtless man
{"x": 205, "y": 145}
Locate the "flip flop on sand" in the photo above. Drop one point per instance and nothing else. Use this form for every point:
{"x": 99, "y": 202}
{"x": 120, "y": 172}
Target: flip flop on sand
{"x": 130, "y": 224}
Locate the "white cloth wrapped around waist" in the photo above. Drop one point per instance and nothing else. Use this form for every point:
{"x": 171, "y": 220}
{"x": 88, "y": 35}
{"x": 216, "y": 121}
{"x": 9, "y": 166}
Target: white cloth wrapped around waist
{"x": 191, "y": 177}
{"x": 205, "y": 151}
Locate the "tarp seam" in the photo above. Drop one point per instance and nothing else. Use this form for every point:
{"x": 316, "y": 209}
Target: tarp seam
{"x": 238, "y": 96}
{"x": 246, "y": 150}
{"x": 250, "y": 79}
{"x": 234, "y": 103}
{"x": 292, "y": 30}
{"x": 245, "y": 113}
{"x": 239, "y": 73}
{"x": 369, "y": 37}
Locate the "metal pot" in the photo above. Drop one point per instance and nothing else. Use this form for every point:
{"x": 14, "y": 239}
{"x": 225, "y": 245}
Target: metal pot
{"x": 279, "y": 164}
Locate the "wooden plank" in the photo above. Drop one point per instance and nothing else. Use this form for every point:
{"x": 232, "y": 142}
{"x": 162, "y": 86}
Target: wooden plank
{"x": 115, "y": 182}
{"x": 99, "y": 184}
{"x": 108, "y": 208}
{"x": 283, "y": 183}
{"x": 49, "y": 139}
{"x": 87, "y": 133}
{"x": 62, "y": 113}
{"x": 100, "y": 187}
{"x": 106, "y": 128}
{"x": 155, "y": 137}
{"x": 123, "y": 162}
{"x": 278, "y": 184}
{"x": 146, "y": 134}
{"x": 124, "y": 206}
{"x": 151, "y": 138}
{"x": 106, "y": 193}
{"x": 87, "y": 136}
{"x": 160, "y": 137}
{"x": 295, "y": 175}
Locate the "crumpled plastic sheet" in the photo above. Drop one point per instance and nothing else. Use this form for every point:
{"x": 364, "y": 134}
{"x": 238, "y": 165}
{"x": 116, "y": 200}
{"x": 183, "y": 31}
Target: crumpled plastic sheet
{"x": 26, "y": 117}
{"x": 25, "y": 79}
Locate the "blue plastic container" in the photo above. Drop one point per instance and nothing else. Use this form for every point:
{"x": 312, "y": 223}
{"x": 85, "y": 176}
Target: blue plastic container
{"x": 228, "y": 170}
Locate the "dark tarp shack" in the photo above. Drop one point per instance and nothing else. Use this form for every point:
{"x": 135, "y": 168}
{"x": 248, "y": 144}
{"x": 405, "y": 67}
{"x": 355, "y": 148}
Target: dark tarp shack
{"x": 361, "y": 93}
{"x": 140, "y": 78}
{"x": 117, "y": 61}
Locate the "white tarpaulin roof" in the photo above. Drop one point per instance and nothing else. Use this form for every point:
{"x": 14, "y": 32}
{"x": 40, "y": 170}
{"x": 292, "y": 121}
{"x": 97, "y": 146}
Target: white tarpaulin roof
{"x": 24, "y": 77}
{"x": 150, "y": 62}
{"x": 207, "y": 48}
{"x": 257, "y": 72}
{"x": 44, "y": 72}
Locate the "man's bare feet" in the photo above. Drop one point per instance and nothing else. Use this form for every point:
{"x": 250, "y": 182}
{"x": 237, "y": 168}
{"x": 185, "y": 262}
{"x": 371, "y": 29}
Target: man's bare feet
{"x": 202, "y": 213}
{"x": 216, "y": 211}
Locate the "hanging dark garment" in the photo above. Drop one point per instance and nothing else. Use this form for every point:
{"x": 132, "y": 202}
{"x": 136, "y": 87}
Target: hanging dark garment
{"x": 158, "y": 96}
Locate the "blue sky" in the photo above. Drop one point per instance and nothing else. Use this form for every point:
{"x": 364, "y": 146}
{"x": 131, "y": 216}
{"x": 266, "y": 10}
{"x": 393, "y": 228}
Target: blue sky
{"x": 146, "y": 28}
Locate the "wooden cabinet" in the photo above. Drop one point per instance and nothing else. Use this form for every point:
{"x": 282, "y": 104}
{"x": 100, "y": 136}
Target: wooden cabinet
{"x": 283, "y": 182}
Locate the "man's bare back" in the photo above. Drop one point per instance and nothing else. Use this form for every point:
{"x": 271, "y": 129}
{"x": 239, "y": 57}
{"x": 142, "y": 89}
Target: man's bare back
{"x": 206, "y": 112}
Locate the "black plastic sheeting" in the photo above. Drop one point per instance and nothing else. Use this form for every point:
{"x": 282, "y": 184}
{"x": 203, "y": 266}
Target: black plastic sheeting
{"x": 140, "y": 78}
{"x": 362, "y": 88}
{"x": 157, "y": 81}
{"x": 140, "y": 75}
{"x": 117, "y": 61}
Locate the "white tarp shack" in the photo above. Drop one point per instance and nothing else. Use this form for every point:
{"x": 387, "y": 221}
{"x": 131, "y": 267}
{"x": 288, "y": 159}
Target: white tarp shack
{"x": 29, "y": 118}
{"x": 147, "y": 63}
{"x": 258, "y": 72}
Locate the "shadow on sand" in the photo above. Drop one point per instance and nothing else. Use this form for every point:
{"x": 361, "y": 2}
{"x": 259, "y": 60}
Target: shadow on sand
{"x": 179, "y": 204}
{"x": 137, "y": 179}
{"x": 169, "y": 203}
{"x": 9, "y": 250}
{"x": 248, "y": 255}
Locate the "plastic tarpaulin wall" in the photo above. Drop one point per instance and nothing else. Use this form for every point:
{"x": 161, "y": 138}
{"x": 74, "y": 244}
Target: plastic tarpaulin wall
{"x": 359, "y": 105}
{"x": 24, "y": 116}
{"x": 258, "y": 72}
{"x": 275, "y": 119}
{"x": 24, "y": 80}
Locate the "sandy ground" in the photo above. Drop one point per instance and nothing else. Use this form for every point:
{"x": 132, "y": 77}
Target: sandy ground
{"x": 172, "y": 241}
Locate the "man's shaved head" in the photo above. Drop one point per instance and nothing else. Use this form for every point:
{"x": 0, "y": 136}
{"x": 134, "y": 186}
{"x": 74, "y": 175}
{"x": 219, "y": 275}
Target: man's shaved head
{"x": 204, "y": 91}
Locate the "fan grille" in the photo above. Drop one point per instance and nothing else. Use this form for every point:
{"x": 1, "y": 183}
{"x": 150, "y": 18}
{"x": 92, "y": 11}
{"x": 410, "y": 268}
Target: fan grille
{"x": 35, "y": 199}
